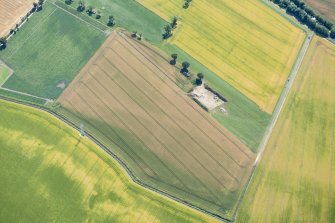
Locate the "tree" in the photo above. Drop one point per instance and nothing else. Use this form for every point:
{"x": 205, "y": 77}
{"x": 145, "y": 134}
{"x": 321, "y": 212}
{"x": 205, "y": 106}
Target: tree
{"x": 174, "y": 57}
{"x": 81, "y": 6}
{"x": 332, "y": 33}
{"x": 134, "y": 34}
{"x": 90, "y": 10}
{"x": 168, "y": 31}
{"x": 322, "y": 31}
{"x": 68, "y": 2}
{"x": 98, "y": 15}
{"x": 200, "y": 78}
{"x": 174, "y": 22}
{"x": 111, "y": 21}
{"x": 3, "y": 43}
{"x": 185, "y": 65}
{"x": 200, "y": 75}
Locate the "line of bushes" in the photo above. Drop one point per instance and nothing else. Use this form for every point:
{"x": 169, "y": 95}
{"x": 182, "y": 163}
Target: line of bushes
{"x": 306, "y": 15}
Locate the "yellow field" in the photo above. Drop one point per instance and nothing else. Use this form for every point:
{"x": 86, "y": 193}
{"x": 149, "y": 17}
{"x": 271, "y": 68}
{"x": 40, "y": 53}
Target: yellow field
{"x": 295, "y": 181}
{"x": 244, "y": 42}
{"x": 51, "y": 174}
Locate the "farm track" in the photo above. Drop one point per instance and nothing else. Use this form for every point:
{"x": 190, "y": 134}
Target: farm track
{"x": 204, "y": 158}
{"x": 121, "y": 162}
{"x": 277, "y": 111}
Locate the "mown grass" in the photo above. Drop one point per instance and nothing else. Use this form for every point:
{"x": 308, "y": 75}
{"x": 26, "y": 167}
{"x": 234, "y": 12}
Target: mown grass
{"x": 128, "y": 14}
{"x": 244, "y": 114}
{"x": 295, "y": 181}
{"x": 50, "y": 48}
{"x": 238, "y": 42}
{"x": 4, "y": 73}
{"x": 244, "y": 118}
{"x": 51, "y": 174}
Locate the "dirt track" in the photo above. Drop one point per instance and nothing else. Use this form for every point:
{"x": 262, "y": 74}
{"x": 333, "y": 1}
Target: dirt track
{"x": 171, "y": 140}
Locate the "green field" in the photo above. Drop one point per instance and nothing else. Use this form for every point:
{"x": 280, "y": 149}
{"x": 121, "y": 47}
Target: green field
{"x": 244, "y": 114}
{"x": 4, "y": 73}
{"x": 295, "y": 181}
{"x": 48, "y": 51}
{"x": 51, "y": 174}
{"x": 128, "y": 14}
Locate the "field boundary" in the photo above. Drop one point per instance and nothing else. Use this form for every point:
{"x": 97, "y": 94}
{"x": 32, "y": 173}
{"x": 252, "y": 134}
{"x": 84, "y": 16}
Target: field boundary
{"x": 115, "y": 157}
{"x": 276, "y": 113}
{"x": 77, "y": 17}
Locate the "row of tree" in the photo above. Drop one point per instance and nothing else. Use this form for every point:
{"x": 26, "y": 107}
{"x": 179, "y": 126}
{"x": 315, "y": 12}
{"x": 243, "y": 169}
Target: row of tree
{"x": 187, "y": 4}
{"x": 37, "y": 6}
{"x": 170, "y": 27}
{"x": 91, "y": 11}
{"x": 185, "y": 69}
{"x": 306, "y": 15}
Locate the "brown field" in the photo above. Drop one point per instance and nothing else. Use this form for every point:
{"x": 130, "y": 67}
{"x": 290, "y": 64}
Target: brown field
{"x": 126, "y": 97}
{"x": 11, "y": 12}
{"x": 324, "y": 7}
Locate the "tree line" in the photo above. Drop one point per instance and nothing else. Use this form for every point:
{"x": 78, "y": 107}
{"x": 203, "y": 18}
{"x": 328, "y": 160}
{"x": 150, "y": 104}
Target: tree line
{"x": 90, "y": 10}
{"x": 306, "y": 15}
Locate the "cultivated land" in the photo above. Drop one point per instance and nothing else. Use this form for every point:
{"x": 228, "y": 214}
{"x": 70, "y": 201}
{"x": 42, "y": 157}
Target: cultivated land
{"x": 244, "y": 48}
{"x": 51, "y": 174}
{"x": 295, "y": 181}
{"x": 325, "y": 7}
{"x": 49, "y": 51}
{"x": 11, "y": 12}
{"x": 126, "y": 97}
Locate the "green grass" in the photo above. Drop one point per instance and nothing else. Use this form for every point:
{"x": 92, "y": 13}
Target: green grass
{"x": 245, "y": 119}
{"x": 128, "y": 14}
{"x": 243, "y": 113}
{"x": 4, "y": 73}
{"x": 51, "y": 174}
{"x": 20, "y": 97}
{"x": 51, "y": 47}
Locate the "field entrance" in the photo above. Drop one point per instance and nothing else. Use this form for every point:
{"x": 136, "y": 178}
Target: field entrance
{"x": 126, "y": 96}
{"x": 5, "y": 73}
{"x": 11, "y": 12}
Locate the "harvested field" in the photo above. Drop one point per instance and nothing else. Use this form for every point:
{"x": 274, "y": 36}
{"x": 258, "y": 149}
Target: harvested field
{"x": 324, "y": 7}
{"x": 295, "y": 181}
{"x": 244, "y": 48}
{"x": 11, "y": 12}
{"x": 126, "y": 97}
{"x": 51, "y": 174}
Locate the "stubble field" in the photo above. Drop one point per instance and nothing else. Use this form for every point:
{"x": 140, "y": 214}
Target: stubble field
{"x": 51, "y": 174}
{"x": 126, "y": 97}
{"x": 11, "y": 12}
{"x": 295, "y": 181}
{"x": 238, "y": 42}
{"x": 325, "y": 7}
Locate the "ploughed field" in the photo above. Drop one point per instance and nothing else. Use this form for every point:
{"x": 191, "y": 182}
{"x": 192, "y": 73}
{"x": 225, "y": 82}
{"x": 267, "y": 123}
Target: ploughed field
{"x": 295, "y": 181}
{"x": 126, "y": 96}
{"x": 325, "y": 7}
{"x": 11, "y": 12}
{"x": 238, "y": 41}
{"x": 51, "y": 174}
